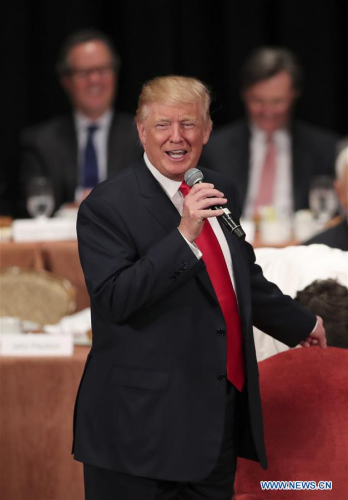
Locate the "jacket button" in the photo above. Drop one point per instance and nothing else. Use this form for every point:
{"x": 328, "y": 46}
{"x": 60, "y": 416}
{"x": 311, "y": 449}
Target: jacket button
{"x": 220, "y": 332}
{"x": 222, "y": 378}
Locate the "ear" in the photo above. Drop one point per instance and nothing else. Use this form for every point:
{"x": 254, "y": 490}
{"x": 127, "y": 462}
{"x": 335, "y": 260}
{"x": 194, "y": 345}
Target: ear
{"x": 142, "y": 133}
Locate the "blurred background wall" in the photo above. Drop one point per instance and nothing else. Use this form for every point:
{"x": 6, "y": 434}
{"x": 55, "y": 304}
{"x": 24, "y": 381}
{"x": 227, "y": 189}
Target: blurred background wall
{"x": 209, "y": 40}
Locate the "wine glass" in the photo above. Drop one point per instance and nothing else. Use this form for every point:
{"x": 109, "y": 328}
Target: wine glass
{"x": 40, "y": 199}
{"x": 322, "y": 198}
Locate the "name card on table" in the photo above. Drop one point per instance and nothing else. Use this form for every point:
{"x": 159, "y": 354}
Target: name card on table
{"x": 43, "y": 229}
{"x": 36, "y": 345}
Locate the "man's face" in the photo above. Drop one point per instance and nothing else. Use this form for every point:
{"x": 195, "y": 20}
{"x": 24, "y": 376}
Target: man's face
{"x": 91, "y": 84}
{"x": 269, "y": 102}
{"x": 173, "y": 137}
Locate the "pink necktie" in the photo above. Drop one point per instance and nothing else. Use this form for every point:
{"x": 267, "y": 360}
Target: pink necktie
{"x": 221, "y": 281}
{"x": 266, "y": 188}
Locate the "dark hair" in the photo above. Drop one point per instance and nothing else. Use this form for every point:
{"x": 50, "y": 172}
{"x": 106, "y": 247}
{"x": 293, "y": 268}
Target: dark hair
{"x": 328, "y": 299}
{"x": 84, "y": 36}
{"x": 266, "y": 62}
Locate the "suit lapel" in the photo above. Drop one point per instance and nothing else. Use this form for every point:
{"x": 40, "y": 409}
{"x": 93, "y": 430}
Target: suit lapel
{"x": 238, "y": 261}
{"x": 239, "y": 272}
{"x": 162, "y": 209}
{"x": 155, "y": 198}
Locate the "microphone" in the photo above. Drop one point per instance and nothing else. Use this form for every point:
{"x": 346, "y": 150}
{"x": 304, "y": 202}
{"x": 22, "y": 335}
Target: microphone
{"x": 195, "y": 176}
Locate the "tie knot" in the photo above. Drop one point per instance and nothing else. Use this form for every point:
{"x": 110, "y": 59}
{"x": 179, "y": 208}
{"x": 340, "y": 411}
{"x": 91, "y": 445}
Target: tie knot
{"x": 92, "y": 128}
{"x": 184, "y": 188}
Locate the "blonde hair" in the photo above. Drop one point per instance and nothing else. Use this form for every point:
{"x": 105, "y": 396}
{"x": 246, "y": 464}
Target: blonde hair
{"x": 173, "y": 91}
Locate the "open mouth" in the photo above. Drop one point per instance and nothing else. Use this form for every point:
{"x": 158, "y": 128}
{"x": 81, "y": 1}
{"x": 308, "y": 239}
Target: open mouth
{"x": 177, "y": 154}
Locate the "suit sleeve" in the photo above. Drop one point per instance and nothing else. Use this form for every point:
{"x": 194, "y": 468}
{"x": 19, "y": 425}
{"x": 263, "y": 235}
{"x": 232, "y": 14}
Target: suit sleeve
{"x": 273, "y": 312}
{"x": 122, "y": 282}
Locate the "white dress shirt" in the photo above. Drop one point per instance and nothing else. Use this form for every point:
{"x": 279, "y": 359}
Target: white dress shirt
{"x": 283, "y": 190}
{"x": 171, "y": 188}
{"x": 100, "y": 140}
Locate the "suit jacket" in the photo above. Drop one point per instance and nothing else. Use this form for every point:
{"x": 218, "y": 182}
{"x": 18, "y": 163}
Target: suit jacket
{"x": 50, "y": 149}
{"x": 151, "y": 402}
{"x": 334, "y": 237}
{"x": 313, "y": 153}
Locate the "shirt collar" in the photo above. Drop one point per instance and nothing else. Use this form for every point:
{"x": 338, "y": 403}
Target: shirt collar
{"x": 260, "y": 135}
{"x": 82, "y": 122}
{"x": 170, "y": 187}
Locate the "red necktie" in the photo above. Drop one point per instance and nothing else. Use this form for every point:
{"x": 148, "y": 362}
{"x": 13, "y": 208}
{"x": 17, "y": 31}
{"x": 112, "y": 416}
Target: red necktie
{"x": 266, "y": 189}
{"x": 221, "y": 281}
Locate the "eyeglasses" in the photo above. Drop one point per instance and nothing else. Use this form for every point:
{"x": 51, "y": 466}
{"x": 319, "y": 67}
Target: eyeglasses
{"x": 85, "y": 73}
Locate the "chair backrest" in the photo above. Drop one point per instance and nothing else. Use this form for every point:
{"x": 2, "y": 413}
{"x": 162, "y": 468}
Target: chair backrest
{"x": 38, "y": 296}
{"x": 305, "y": 404}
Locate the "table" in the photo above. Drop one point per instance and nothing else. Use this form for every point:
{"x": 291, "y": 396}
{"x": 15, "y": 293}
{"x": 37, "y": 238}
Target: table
{"x": 37, "y": 395}
{"x": 61, "y": 258}
{"x": 58, "y": 257}
{"x": 37, "y": 398}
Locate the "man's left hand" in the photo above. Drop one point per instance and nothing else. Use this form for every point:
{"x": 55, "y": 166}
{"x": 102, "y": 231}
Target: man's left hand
{"x": 317, "y": 337}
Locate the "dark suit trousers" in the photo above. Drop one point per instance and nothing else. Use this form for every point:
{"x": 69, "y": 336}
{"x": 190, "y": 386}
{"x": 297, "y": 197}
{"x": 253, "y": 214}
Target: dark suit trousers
{"x": 103, "y": 484}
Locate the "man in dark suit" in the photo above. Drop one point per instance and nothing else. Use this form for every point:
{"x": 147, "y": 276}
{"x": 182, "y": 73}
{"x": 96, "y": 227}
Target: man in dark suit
{"x": 269, "y": 156}
{"x": 337, "y": 236}
{"x": 170, "y": 395}
{"x": 79, "y": 150}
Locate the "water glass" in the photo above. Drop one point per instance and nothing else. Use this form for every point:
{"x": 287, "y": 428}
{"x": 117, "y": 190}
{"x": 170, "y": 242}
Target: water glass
{"x": 322, "y": 198}
{"x": 40, "y": 198}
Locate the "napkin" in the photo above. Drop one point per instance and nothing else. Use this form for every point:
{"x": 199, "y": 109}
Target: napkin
{"x": 76, "y": 325}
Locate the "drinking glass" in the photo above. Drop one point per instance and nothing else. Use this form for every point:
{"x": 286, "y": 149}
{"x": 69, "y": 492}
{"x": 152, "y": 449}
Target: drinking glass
{"x": 322, "y": 198}
{"x": 40, "y": 199}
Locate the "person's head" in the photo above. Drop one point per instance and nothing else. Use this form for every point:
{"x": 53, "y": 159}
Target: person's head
{"x": 341, "y": 182}
{"x": 271, "y": 80}
{"x": 174, "y": 123}
{"x": 87, "y": 66}
{"x": 328, "y": 299}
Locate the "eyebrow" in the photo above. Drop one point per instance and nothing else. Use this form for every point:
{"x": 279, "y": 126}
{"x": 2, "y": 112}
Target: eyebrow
{"x": 184, "y": 119}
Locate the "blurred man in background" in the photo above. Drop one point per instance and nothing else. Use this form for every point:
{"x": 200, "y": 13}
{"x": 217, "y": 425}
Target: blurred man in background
{"x": 271, "y": 157}
{"x": 77, "y": 151}
{"x": 337, "y": 236}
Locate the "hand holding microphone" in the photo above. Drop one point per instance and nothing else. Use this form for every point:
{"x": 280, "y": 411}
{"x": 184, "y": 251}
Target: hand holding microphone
{"x": 204, "y": 201}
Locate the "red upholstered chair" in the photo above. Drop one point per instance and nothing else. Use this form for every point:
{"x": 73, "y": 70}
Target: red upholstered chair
{"x": 305, "y": 402}
{"x": 245, "y": 496}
